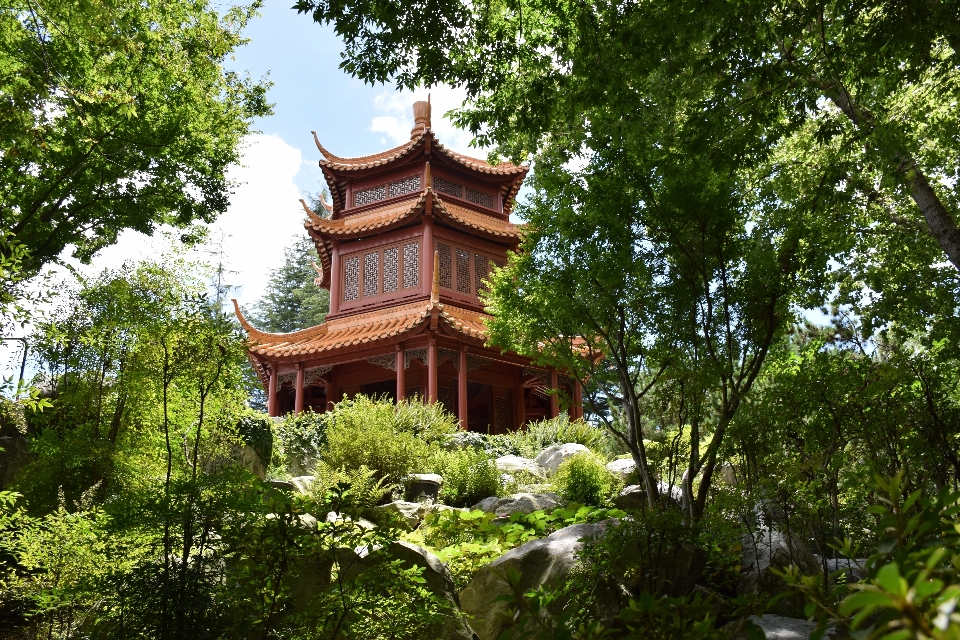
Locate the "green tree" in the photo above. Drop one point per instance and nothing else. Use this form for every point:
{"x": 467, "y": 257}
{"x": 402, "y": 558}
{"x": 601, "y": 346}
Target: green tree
{"x": 116, "y": 115}
{"x": 292, "y": 300}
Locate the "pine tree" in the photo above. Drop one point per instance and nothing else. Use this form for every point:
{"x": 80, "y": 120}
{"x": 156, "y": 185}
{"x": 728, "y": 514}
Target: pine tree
{"x": 292, "y": 301}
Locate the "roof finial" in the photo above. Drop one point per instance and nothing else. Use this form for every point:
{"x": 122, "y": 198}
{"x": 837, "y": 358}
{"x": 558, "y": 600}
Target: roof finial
{"x": 421, "y": 118}
{"x": 435, "y": 289}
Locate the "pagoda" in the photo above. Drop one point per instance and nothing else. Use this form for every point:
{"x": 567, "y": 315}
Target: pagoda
{"x": 407, "y": 242}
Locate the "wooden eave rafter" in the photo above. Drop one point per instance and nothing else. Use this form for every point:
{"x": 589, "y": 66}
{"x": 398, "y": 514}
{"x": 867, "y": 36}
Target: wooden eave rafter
{"x": 358, "y": 330}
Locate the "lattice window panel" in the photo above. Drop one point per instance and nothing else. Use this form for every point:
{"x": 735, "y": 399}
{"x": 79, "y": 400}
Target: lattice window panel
{"x": 411, "y": 265}
{"x": 446, "y": 397}
{"x": 391, "y": 269}
{"x": 371, "y": 274}
{"x": 351, "y": 279}
{"x": 446, "y": 265}
{"x": 502, "y": 414}
{"x": 405, "y": 186}
{"x": 480, "y": 198}
{"x": 367, "y": 196}
{"x": 481, "y": 267}
{"x": 446, "y": 186}
{"x": 463, "y": 271}
{"x": 500, "y": 264}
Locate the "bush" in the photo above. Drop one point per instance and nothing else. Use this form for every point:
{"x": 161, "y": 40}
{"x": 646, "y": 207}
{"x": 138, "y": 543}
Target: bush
{"x": 560, "y": 430}
{"x": 302, "y": 437}
{"x": 469, "y": 475}
{"x": 584, "y": 478}
{"x": 393, "y": 441}
{"x": 365, "y": 489}
{"x": 256, "y": 430}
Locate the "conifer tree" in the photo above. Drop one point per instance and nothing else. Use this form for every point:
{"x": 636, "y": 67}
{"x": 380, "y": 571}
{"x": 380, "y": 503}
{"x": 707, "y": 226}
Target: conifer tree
{"x": 292, "y": 301}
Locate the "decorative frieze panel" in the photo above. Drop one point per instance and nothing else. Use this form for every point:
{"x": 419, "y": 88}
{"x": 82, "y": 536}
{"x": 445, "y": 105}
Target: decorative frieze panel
{"x": 287, "y": 378}
{"x": 446, "y": 265}
{"x": 367, "y": 196}
{"x": 313, "y": 376}
{"x": 351, "y": 279}
{"x": 502, "y": 415}
{"x": 391, "y": 275}
{"x": 387, "y": 362}
{"x": 567, "y": 380}
{"x": 475, "y": 362}
{"x": 411, "y": 265}
{"x": 463, "y": 271}
{"x": 481, "y": 267}
{"x": 539, "y": 374}
{"x": 371, "y": 274}
{"x": 448, "y": 187}
{"x": 414, "y": 354}
{"x": 448, "y": 354}
{"x": 480, "y": 198}
{"x": 405, "y": 186}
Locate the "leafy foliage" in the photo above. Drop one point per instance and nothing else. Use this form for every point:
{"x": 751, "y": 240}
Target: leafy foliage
{"x": 256, "y": 430}
{"x": 302, "y": 438}
{"x": 585, "y": 479}
{"x": 537, "y": 436}
{"x": 117, "y": 115}
{"x": 469, "y": 475}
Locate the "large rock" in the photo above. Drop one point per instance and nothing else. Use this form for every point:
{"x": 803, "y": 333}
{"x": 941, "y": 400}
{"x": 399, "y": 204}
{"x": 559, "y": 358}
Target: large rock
{"x": 520, "y": 503}
{"x": 634, "y": 496}
{"x": 409, "y": 514}
{"x": 303, "y": 484}
{"x": 555, "y": 455}
{"x": 540, "y": 562}
{"x": 771, "y": 549}
{"x": 851, "y": 568}
{"x": 782, "y": 628}
{"x": 516, "y": 464}
{"x": 439, "y": 581}
{"x": 623, "y": 468}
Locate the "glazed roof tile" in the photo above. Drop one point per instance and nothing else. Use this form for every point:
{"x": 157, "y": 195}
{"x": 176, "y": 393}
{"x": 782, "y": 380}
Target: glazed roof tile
{"x": 360, "y": 329}
{"x": 476, "y": 221}
{"x": 369, "y": 220}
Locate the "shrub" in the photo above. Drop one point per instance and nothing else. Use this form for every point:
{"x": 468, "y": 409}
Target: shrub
{"x": 585, "y": 479}
{"x": 560, "y": 430}
{"x": 469, "y": 476}
{"x": 256, "y": 430}
{"x": 393, "y": 441}
{"x": 302, "y": 437}
{"x": 365, "y": 489}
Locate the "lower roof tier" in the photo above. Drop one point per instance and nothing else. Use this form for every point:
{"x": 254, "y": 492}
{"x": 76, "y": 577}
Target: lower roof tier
{"x": 364, "y": 328}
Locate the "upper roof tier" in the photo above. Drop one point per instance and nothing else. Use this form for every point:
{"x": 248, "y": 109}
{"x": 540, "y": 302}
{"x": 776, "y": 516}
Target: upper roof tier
{"x": 504, "y": 178}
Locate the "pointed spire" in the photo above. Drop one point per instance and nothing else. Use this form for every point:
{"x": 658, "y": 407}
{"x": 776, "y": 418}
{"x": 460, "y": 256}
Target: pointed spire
{"x": 421, "y": 118}
{"x": 428, "y": 182}
{"x": 435, "y": 289}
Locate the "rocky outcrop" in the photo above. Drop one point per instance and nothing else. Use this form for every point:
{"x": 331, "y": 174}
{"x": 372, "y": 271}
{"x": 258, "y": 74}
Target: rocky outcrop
{"x": 782, "y": 628}
{"x": 516, "y": 464}
{"x": 634, "y": 497}
{"x": 553, "y": 456}
{"x": 770, "y": 549}
{"x": 440, "y": 583}
{"x": 520, "y": 503}
{"x": 408, "y": 514}
{"x": 851, "y": 568}
{"x": 623, "y": 468}
{"x": 540, "y": 562}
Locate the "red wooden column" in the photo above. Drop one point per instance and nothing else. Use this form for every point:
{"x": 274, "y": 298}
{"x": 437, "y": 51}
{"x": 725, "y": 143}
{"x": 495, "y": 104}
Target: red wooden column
{"x": 432, "y": 371}
{"x": 401, "y": 375}
{"x": 462, "y": 399}
{"x": 335, "y": 278}
{"x": 272, "y": 392}
{"x": 577, "y": 400}
{"x": 298, "y": 403}
{"x": 554, "y": 398}
{"x": 331, "y": 390}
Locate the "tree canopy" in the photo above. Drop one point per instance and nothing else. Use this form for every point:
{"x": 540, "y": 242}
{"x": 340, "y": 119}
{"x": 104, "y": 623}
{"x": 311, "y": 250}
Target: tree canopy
{"x": 117, "y": 115}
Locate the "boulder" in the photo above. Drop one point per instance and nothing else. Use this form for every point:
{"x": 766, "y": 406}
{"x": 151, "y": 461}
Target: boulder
{"x": 440, "y": 582}
{"x": 423, "y": 486}
{"x": 302, "y": 484}
{"x": 409, "y": 514}
{"x": 851, "y": 568}
{"x": 251, "y": 461}
{"x": 772, "y": 549}
{"x": 465, "y": 440}
{"x": 728, "y": 474}
{"x": 634, "y": 496}
{"x": 782, "y": 628}
{"x": 555, "y": 455}
{"x": 623, "y": 468}
{"x": 520, "y": 503}
{"x": 540, "y": 562}
{"x": 516, "y": 464}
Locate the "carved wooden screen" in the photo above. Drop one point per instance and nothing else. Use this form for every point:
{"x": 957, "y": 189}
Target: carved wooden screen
{"x": 351, "y": 279}
{"x": 381, "y": 271}
{"x": 464, "y": 271}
